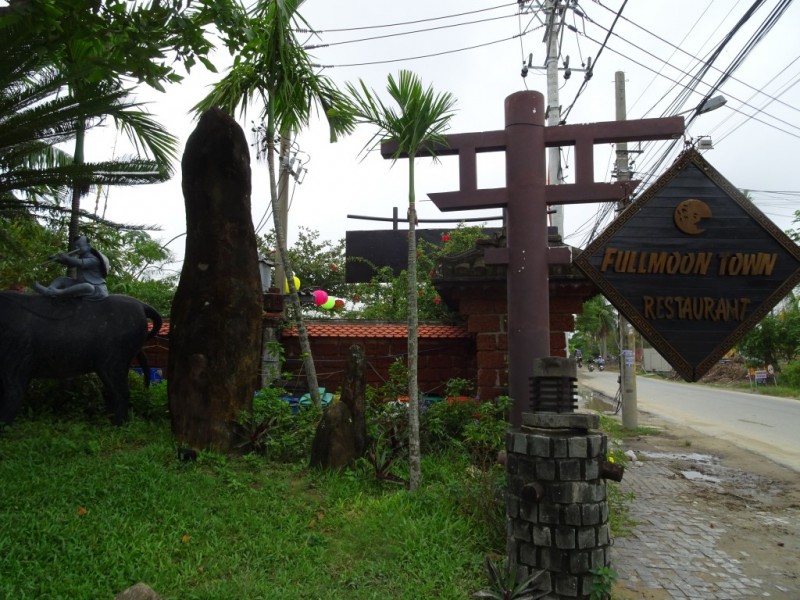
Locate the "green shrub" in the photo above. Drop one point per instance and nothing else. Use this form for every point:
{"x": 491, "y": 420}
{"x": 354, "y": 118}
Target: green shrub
{"x": 272, "y": 429}
{"x": 478, "y": 426}
{"x": 396, "y": 386}
{"x": 485, "y": 434}
{"x": 443, "y": 423}
{"x": 482, "y": 496}
{"x": 458, "y": 386}
{"x": 150, "y": 403}
{"x": 790, "y": 374}
{"x": 74, "y": 398}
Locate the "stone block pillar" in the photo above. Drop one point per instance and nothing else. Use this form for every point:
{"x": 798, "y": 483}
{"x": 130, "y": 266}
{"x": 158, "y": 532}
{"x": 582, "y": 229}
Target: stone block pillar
{"x": 556, "y": 500}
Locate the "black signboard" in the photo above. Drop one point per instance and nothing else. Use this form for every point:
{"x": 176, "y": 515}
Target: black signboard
{"x": 693, "y": 265}
{"x": 385, "y": 248}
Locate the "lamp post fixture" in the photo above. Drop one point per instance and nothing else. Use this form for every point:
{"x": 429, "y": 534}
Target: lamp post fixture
{"x": 706, "y": 106}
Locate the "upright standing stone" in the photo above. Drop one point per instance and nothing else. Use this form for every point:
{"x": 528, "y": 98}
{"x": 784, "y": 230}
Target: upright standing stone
{"x": 341, "y": 435}
{"x": 354, "y": 395}
{"x": 215, "y": 328}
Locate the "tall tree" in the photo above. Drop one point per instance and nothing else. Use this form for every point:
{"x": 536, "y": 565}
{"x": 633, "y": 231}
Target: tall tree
{"x": 776, "y": 339}
{"x": 318, "y": 264}
{"x": 96, "y": 48}
{"x": 417, "y": 125}
{"x": 37, "y": 113}
{"x": 272, "y": 68}
{"x": 597, "y": 319}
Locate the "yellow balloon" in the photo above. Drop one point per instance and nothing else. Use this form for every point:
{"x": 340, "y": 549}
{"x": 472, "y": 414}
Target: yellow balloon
{"x": 286, "y": 284}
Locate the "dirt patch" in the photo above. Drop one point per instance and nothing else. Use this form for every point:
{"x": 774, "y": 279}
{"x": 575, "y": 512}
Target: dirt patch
{"x": 723, "y": 373}
{"x": 756, "y": 502}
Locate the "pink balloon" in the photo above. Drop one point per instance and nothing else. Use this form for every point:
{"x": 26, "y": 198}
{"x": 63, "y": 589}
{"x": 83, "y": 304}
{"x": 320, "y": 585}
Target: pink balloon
{"x": 320, "y": 297}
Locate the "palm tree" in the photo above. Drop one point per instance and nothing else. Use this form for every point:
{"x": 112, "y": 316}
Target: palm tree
{"x": 418, "y": 126}
{"x": 91, "y": 49}
{"x": 273, "y": 68}
{"x": 38, "y": 112}
{"x": 598, "y": 319}
{"x": 54, "y": 87}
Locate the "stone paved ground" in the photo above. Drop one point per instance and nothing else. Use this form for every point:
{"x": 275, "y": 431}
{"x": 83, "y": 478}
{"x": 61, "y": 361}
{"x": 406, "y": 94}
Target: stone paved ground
{"x": 715, "y": 521}
{"x": 681, "y": 546}
{"x": 673, "y": 547}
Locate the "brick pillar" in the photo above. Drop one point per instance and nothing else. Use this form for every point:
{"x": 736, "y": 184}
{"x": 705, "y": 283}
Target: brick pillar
{"x": 485, "y": 314}
{"x": 556, "y": 501}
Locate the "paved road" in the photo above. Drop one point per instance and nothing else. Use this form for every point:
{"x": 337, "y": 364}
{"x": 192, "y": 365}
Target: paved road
{"x": 766, "y": 425}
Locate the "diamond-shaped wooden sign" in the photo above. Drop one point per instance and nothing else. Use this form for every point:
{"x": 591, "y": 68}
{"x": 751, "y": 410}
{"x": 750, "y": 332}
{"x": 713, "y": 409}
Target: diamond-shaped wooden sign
{"x": 693, "y": 265}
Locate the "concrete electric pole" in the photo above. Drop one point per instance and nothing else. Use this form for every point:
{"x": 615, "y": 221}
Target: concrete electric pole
{"x": 553, "y": 107}
{"x": 627, "y": 364}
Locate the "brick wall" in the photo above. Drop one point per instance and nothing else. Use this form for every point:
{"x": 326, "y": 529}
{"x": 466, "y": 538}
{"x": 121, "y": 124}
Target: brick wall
{"x": 440, "y": 359}
{"x": 484, "y": 308}
{"x": 478, "y": 354}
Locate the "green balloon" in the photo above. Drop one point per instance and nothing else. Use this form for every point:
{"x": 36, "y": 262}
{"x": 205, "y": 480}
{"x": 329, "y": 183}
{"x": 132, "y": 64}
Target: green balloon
{"x": 329, "y": 304}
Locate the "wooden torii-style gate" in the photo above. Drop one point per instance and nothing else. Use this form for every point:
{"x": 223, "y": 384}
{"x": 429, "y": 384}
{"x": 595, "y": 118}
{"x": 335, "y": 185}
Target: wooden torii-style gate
{"x": 525, "y": 200}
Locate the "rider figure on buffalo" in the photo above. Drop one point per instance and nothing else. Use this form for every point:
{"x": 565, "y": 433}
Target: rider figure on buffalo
{"x": 72, "y": 327}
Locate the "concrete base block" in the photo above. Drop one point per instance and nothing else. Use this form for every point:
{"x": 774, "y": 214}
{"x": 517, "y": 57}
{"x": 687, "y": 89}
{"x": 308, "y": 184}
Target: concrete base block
{"x": 545, "y": 420}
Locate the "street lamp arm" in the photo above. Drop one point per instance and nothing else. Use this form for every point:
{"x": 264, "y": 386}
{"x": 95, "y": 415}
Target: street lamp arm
{"x": 707, "y": 105}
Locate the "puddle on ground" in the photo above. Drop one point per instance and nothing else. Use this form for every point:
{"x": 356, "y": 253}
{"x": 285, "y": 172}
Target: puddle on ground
{"x": 706, "y": 470}
{"x": 702, "y": 465}
{"x": 685, "y": 456}
{"x": 698, "y": 476}
{"x": 703, "y": 469}
{"x": 593, "y": 400}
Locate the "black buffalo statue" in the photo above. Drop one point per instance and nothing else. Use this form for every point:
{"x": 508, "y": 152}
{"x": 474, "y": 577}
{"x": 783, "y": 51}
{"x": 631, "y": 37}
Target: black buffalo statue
{"x": 65, "y": 337}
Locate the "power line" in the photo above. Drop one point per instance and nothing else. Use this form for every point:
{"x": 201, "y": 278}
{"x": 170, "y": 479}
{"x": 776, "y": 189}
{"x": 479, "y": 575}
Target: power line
{"x": 762, "y": 30}
{"x": 420, "y": 56}
{"x": 402, "y": 33}
{"x": 678, "y": 48}
{"x": 687, "y": 88}
{"x": 398, "y": 24}
{"x": 588, "y": 74}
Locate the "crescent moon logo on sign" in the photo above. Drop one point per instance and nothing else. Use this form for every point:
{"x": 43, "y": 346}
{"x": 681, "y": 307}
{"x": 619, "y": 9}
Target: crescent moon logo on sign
{"x": 689, "y": 213}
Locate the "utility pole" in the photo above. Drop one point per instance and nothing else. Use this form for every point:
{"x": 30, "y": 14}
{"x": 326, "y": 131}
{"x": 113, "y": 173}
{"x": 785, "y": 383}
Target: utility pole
{"x": 627, "y": 365}
{"x": 553, "y": 107}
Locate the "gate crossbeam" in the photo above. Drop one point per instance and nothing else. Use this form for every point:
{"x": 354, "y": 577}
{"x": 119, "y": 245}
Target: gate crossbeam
{"x": 525, "y": 200}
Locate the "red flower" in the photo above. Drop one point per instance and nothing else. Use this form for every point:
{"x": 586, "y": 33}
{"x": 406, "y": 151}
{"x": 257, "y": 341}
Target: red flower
{"x": 356, "y": 298}
{"x": 334, "y": 268}
{"x": 445, "y": 237}
{"x": 436, "y": 300}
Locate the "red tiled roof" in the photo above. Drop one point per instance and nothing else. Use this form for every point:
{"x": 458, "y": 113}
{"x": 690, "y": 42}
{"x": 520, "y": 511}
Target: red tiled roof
{"x": 348, "y": 329}
{"x": 341, "y": 329}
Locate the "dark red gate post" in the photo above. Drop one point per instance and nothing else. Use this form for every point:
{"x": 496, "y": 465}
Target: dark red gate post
{"x": 525, "y": 199}
{"x": 527, "y": 277}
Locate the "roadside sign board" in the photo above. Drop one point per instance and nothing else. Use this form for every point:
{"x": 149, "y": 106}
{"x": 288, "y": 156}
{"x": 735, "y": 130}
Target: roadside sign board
{"x": 693, "y": 265}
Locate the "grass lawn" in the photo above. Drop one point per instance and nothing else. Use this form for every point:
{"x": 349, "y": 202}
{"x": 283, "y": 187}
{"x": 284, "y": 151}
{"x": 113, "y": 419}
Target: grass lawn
{"x": 87, "y": 510}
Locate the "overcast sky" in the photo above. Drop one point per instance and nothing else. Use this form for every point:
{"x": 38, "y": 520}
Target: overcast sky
{"x": 475, "y": 50}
